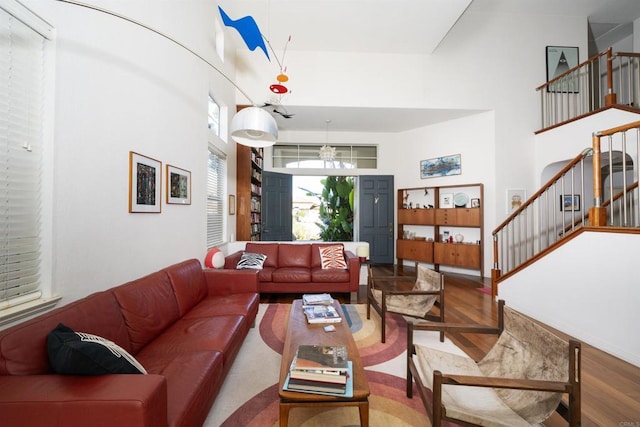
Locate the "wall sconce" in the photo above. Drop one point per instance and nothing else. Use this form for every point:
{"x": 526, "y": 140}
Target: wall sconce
{"x": 363, "y": 253}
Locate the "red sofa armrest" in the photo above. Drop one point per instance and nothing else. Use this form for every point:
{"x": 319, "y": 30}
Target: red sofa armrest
{"x": 226, "y": 282}
{"x": 231, "y": 260}
{"x": 353, "y": 264}
{"x": 70, "y": 401}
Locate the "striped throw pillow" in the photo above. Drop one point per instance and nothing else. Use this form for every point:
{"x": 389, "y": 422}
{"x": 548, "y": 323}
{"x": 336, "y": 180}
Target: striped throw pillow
{"x": 251, "y": 261}
{"x": 332, "y": 257}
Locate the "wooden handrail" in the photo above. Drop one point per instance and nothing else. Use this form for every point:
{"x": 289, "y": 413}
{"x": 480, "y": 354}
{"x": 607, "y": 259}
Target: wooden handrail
{"x": 542, "y": 189}
{"x": 573, "y": 70}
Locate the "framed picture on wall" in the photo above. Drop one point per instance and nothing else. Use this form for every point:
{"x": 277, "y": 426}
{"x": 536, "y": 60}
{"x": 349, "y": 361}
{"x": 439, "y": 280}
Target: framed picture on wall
{"x": 178, "y": 186}
{"x": 441, "y": 166}
{"x": 515, "y": 198}
{"x": 569, "y": 202}
{"x": 145, "y": 182}
{"x": 561, "y": 59}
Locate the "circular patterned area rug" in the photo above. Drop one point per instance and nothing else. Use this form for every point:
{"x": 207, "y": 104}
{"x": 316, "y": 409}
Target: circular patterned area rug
{"x": 385, "y": 365}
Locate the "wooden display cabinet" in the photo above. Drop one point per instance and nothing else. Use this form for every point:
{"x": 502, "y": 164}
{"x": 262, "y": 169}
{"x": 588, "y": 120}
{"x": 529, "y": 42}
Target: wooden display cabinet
{"x": 433, "y": 220}
{"x": 249, "y": 193}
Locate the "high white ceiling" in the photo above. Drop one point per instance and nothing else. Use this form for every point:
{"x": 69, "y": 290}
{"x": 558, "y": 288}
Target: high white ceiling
{"x": 394, "y": 26}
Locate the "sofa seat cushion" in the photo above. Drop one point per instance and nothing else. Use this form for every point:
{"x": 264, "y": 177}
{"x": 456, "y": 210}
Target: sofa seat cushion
{"x": 266, "y": 274}
{"x": 190, "y": 379}
{"x": 329, "y": 275}
{"x": 245, "y": 305}
{"x": 224, "y": 334}
{"x": 292, "y": 275}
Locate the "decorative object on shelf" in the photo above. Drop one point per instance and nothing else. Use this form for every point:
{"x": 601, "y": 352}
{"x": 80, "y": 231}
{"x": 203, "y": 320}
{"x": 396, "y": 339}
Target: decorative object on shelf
{"x": 459, "y": 238}
{"x": 232, "y": 204}
{"x": 362, "y": 252}
{"x": 178, "y": 186}
{"x": 446, "y": 200}
{"x": 475, "y": 203}
{"x": 441, "y": 166}
{"x": 561, "y": 59}
{"x": 145, "y": 181}
{"x": 515, "y": 198}
{"x": 214, "y": 258}
{"x": 569, "y": 202}
{"x": 460, "y": 200}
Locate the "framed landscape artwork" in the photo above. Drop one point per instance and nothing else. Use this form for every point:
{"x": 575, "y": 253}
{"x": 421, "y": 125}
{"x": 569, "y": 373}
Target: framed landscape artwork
{"x": 145, "y": 181}
{"x": 569, "y": 202}
{"x": 441, "y": 166}
{"x": 178, "y": 186}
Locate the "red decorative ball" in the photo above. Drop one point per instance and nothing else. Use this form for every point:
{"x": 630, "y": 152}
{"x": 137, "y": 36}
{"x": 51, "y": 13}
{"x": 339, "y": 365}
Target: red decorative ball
{"x": 214, "y": 258}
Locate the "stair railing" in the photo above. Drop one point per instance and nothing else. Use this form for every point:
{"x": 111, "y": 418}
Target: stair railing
{"x": 578, "y": 195}
{"x": 601, "y": 81}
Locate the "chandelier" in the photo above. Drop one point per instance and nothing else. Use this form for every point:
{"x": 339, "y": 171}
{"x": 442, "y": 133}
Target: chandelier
{"x": 327, "y": 153}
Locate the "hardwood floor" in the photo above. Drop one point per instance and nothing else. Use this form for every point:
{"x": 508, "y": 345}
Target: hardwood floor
{"x": 610, "y": 386}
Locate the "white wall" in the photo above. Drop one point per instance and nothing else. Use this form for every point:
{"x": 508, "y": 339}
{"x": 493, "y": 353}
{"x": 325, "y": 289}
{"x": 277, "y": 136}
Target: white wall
{"x": 592, "y": 296}
{"x": 121, "y": 88}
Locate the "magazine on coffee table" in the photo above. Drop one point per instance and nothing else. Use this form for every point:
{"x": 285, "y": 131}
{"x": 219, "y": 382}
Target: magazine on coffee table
{"x": 322, "y": 314}
{"x": 317, "y": 299}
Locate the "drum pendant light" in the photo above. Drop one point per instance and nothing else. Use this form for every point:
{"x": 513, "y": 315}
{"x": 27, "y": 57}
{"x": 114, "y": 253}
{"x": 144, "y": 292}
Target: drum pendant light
{"x": 254, "y": 127}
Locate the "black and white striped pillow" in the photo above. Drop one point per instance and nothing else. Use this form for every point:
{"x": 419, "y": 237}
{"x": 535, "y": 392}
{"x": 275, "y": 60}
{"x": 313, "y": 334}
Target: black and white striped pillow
{"x": 251, "y": 261}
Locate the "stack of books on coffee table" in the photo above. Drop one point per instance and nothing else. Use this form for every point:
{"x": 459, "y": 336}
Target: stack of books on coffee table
{"x": 320, "y": 369}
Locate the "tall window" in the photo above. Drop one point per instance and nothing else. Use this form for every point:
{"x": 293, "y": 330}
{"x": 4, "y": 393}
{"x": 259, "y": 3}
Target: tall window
{"x": 214, "y": 116}
{"x": 24, "y": 42}
{"x": 216, "y": 184}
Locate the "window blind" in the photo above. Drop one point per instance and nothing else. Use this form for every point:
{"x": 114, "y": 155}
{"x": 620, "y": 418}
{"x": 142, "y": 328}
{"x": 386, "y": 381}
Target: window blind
{"x": 216, "y": 183}
{"x": 22, "y": 68}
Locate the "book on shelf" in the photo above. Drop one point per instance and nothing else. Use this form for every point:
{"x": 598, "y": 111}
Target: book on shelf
{"x": 326, "y": 359}
{"x": 317, "y": 387}
{"x": 317, "y": 299}
{"x": 321, "y": 314}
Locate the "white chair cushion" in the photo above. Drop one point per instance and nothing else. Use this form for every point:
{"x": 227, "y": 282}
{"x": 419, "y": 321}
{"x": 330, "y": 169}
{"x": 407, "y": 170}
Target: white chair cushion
{"x": 478, "y": 405}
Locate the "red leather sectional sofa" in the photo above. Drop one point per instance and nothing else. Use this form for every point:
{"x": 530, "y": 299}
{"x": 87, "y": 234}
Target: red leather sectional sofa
{"x": 184, "y": 324}
{"x": 297, "y": 268}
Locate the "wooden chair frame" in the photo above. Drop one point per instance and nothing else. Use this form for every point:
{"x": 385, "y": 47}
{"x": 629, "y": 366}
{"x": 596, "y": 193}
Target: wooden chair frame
{"x": 570, "y": 411}
{"x": 382, "y": 309}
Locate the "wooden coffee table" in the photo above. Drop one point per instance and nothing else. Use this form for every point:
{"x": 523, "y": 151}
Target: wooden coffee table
{"x": 300, "y": 332}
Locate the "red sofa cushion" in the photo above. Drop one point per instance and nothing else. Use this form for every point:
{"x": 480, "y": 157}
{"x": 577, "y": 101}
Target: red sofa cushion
{"x": 149, "y": 307}
{"x": 189, "y": 284}
{"x": 294, "y": 255}
{"x": 269, "y": 249}
{"x": 23, "y": 347}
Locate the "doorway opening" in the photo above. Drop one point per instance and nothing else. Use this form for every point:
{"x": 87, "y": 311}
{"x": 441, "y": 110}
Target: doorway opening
{"x": 322, "y": 208}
